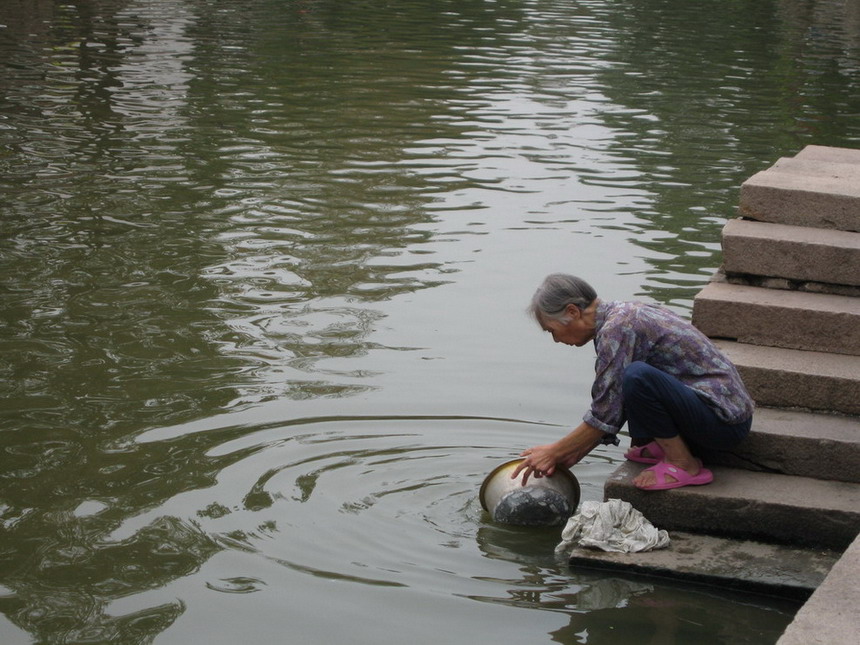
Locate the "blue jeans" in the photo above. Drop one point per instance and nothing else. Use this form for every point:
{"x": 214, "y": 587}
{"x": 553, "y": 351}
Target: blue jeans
{"x": 658, "y": 405}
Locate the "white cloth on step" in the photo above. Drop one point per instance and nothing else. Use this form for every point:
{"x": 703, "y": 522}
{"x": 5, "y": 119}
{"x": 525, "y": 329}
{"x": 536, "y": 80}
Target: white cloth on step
{"x": 613, "y": 525}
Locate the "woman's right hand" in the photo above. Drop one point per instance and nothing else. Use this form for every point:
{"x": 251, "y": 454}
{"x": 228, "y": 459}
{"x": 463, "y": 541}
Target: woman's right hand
{"x": 540, "y": 461}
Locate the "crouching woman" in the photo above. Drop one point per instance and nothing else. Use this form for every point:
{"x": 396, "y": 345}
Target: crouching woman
{"x": 678, "y": 393}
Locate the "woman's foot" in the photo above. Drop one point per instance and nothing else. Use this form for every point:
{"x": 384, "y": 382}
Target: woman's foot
{"x": 664, "y": 476}
{"x": 650, "y": 453}
{"x": 676, "y": 454}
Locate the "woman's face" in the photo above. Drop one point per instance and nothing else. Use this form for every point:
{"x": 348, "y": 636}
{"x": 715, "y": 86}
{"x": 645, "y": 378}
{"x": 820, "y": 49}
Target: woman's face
{"x": 571, "y": 330}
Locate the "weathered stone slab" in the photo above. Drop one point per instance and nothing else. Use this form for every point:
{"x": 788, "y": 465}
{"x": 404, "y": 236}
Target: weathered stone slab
{"x": 777, "y": 318}
{"x": 830, "y": 615}
{"x": 792, "y": 285}
{"x": 847, "y": 173}
{"x": 746, "y": 565}
{"x": 830, "y": 154}
{"x": 826, "y": 199}
{"x": 749, "y": 505}
{"x": 792, "y": 252}
{"x": 779, "y": 377}
{"x": 790, "y": 442}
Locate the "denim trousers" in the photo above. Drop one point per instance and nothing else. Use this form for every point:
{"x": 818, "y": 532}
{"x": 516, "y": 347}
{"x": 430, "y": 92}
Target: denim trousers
{"x": 658, "y": 405}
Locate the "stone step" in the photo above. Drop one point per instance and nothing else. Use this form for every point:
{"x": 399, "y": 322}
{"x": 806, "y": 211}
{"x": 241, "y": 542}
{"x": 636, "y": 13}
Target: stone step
{"x": 795, "y": 253}
{"x": 805, "y": 192}
{"x": 745, "y": 565}
{"x": 832, "y": 168}
{"x": 792, "y": 285}
{"x": 773, "y": 317}
{"x": 827, "y": 153}
{"x": 789, "y": 442}
{"x": 830, "y": 615}
{"x": 744, "y": 504}
{"x": 792, "y": 378}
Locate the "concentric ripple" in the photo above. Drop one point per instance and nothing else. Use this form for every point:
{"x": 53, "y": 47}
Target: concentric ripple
{"x": 371, "y": 501}
{"x": 371, "y": 519}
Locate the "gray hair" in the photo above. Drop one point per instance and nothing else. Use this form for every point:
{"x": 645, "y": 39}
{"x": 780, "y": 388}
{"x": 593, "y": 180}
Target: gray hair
{"x": 556, "y": 292}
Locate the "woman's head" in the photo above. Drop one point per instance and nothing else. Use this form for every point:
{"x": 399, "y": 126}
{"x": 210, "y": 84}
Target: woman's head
{"x": 556, "y": 292}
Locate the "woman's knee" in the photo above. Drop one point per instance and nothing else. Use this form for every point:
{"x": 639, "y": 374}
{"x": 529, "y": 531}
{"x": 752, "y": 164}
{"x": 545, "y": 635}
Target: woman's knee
{"x": 634, "y": 378}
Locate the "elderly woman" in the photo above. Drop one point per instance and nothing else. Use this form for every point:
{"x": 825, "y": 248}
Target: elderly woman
{"x": 677, "y": 392}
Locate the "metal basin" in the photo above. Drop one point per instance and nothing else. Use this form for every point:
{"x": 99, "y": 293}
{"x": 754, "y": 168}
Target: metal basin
{"x": 544, "y": 501}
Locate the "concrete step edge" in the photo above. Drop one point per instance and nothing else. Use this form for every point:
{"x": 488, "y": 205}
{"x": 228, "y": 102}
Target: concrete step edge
{"x": 801, "y": 200}
{"x": 795, "y": 360}
{"x": 791, "y": 378}
{"x": 797, "y": 283}
{"x": 830, "y": 153}
{"x": 773, "y": 232}
{"x": 795, "y": 253}
{"x": 788, "y": 319}
{"x": 721, "y": 289}
{"x": 749, "y": 505}
{"x": 838, "y": 171}
{"x": 803, "y": 185}
{"x": 791, "y": 442}
{"x": 745, "y": 565}
{"x": 830, "y": 615}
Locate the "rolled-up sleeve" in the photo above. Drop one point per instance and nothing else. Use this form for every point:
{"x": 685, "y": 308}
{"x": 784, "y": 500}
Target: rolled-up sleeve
{"x": 614, "y": 354}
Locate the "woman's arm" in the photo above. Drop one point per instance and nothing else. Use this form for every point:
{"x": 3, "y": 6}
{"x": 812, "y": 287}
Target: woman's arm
{"x": 541, "y": 461}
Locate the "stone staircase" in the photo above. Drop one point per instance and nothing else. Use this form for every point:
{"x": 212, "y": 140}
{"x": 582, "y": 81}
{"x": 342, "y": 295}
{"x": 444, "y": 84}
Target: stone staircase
{"x": 785, "y": 307}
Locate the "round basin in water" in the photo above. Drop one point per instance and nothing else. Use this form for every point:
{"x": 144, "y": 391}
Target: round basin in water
{"x": 543, "y": 501}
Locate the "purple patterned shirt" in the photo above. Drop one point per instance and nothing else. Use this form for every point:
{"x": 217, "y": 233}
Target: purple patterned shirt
{"x": 633, "y": 331}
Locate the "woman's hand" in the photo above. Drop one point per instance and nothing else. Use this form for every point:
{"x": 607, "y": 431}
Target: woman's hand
{"x": 539, "y": 461}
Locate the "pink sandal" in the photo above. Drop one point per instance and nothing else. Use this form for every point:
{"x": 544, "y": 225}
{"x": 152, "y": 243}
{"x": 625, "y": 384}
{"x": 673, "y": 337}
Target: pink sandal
{"x": 654, "y": 450}
{"x": 682, "y": 477}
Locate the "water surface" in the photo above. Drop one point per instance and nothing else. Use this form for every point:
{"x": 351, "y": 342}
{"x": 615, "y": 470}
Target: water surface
{"x": 264, "y": 271}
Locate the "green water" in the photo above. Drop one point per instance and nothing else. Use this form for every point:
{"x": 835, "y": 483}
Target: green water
{"x": 264, "y": 266}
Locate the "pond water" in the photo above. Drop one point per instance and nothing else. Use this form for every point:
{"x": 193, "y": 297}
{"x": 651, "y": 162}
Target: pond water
{"x": 265, "y": 265}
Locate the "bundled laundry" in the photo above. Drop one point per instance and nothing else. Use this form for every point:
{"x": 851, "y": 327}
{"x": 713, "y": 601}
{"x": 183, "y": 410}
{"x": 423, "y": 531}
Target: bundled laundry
{"x": 613, "y": 525}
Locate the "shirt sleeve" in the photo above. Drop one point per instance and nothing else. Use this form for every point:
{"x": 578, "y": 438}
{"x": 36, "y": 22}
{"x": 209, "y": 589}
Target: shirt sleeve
{"x": 614, "y": 354}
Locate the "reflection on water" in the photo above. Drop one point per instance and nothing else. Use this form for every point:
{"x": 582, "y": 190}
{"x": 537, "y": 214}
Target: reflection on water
{"x": 710, "y": 97}
{"x": 324, "y": 218}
